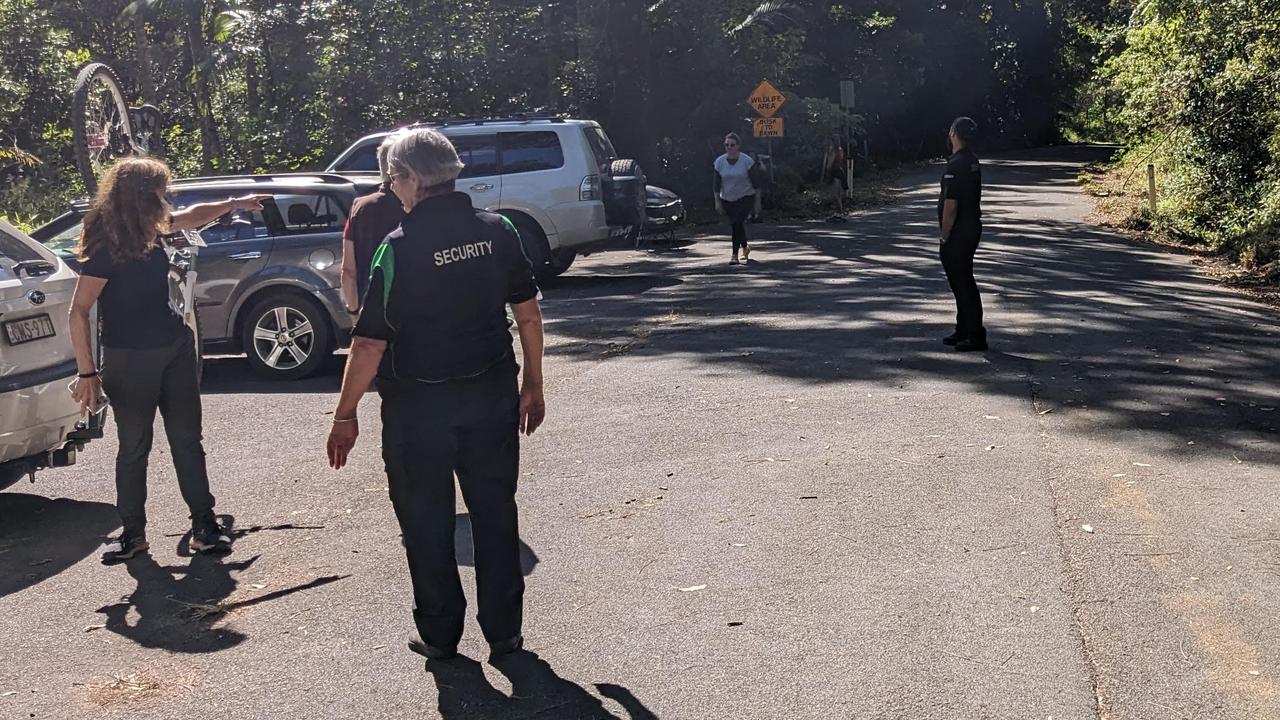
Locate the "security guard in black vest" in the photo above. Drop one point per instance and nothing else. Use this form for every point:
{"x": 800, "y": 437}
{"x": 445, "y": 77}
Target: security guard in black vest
{"x": 434, "y": 329}
{"x": 960, "y": 217}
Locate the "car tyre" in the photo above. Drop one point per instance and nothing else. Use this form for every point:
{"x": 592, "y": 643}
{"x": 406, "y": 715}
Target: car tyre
{"x": 286, "y": 336}
{"x": 561, "y": 259}
{"x": 626, "y": 201}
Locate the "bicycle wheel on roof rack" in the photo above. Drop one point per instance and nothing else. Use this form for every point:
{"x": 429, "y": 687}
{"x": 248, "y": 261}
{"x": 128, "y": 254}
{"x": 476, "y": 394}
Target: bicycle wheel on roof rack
{"x": 100, "y": 130}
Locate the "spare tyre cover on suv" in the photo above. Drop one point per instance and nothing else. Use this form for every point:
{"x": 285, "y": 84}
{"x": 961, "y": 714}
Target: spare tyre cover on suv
{"x": 624, "y": 193}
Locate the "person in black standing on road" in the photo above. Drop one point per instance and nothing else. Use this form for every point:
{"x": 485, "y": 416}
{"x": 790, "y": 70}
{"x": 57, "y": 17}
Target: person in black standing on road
{"x": 149, "y": 354}
{"x": 960, "y": 217}
{"x": 736, "y": 192}
{"x": 372, "y": 218}
{"x": 434, "y": 331}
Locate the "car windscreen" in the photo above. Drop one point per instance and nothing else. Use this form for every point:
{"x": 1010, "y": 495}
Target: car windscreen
{"x": 63, "y": 240}
{"x": 362, "y": 159}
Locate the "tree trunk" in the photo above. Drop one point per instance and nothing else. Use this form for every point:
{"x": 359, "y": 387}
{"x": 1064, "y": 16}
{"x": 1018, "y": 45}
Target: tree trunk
{"x": 552, "y": 35}
{"x": 628, "y": 115}
{"x": 253, "y": 105}
{"x": 210, "y": 145}
{"x": 142, "y": 49}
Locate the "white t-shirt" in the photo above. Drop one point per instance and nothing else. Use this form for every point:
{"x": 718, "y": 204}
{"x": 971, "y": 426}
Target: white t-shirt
{"x": 735, "y": 183}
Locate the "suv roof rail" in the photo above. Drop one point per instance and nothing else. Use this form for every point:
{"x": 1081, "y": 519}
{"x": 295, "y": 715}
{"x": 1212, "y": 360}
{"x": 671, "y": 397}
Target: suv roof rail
{"x": 324, "y": 177}
{"x": 518, "y": 117}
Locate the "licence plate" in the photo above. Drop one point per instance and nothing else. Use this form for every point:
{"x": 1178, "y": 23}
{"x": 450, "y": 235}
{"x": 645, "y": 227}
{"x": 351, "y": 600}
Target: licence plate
{"x": 28, "y": 329}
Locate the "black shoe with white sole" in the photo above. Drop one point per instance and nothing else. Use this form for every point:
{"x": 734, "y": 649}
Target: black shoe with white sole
{"x": 210, "y": 538}
{"x": 122, "y": 548}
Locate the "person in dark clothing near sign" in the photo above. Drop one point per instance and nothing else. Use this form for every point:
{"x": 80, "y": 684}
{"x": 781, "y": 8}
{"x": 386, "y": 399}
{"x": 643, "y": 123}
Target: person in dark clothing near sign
{"x": 434, "y": 330}
{"x": 960, "y": 217}
{"x": 149, "y": 354}
{"x": 736, "y": 192}
{"x": 372, "y": 218}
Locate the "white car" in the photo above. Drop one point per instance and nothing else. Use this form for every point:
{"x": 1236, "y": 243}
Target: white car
{"x": 38, "y": 415}
{"x": 558, "y": 180}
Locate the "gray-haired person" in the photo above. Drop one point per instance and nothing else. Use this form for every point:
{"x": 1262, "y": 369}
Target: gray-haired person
{"x": 372, "y": 218}
{"x": 434, "y": 331}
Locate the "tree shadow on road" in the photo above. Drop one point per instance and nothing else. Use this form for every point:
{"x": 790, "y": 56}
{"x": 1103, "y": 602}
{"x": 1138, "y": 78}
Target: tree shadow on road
{"x": 40, "y": 537}
{"x": 1079, "y": 317}
{"x": 536, "y": 691}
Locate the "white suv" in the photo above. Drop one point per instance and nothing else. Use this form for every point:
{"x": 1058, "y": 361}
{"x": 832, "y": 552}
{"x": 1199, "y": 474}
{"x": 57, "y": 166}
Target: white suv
{"x": 558, "y": 180}
{"x": 38, "y": 415}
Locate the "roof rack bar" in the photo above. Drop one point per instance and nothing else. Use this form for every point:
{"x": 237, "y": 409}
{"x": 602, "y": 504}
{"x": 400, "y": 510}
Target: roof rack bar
{"x": 330, "y": 178}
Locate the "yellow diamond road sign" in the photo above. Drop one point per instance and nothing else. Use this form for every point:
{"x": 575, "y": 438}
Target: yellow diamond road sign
{"x": 766, "y": 99}
{"x": 767, "y": 127}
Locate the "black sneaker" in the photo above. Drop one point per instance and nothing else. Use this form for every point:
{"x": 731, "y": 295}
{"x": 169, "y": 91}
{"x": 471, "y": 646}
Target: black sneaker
{"x": 971, "y": 345}
{"x": 210, "y": 538}
{"x": 506, "y": 647}
{"x": 953, "y": 339}
{"x": 430, "y": 652}
{"x": 122, "y": 548}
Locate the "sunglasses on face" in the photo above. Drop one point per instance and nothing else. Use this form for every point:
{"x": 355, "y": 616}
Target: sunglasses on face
{"x": 731, "y": 145}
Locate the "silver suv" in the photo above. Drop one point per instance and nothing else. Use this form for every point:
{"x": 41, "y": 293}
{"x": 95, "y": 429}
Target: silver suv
{"x": 269, "y": 281}
{"x": 558, "y": 180}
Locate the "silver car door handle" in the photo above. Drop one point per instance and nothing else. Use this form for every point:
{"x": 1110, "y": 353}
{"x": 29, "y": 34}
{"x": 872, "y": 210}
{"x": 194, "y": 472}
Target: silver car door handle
{"x": 481, "y": 187}
{"x": 251, "y": 255}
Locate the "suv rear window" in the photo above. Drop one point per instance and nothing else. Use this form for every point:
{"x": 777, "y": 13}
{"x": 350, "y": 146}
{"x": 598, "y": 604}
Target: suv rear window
{"x": 601, "y": 148}
{"x": 530, "y": 151}
{"x": 478, "y": 152}
{"x": 14, "y": 249}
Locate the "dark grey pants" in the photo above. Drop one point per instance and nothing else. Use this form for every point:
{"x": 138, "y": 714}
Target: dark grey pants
{"x": 138, "y": 382}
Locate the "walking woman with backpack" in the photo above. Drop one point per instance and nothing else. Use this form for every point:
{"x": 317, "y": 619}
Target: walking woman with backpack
{"x": 736, "y": 192}
{"x": 149, "y": 354}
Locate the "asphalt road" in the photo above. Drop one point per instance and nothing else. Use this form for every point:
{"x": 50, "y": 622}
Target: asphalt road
{"x": 764, "y": 491}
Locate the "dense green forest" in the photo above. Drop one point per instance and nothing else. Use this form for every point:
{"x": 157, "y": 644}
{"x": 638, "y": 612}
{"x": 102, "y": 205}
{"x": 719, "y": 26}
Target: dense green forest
{"x": 255, "y": 85}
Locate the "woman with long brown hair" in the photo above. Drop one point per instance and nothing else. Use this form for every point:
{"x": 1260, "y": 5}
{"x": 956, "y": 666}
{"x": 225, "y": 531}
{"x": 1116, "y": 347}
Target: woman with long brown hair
{"x": 149, "y": 355}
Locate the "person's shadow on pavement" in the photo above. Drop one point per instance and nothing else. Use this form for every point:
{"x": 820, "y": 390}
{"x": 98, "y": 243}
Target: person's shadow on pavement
{"x": 178, "y": 607}
{"x": 536, "y": 691}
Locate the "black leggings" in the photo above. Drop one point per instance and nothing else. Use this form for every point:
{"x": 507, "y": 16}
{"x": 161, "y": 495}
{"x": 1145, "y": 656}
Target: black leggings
{"x": 738, "y": 210}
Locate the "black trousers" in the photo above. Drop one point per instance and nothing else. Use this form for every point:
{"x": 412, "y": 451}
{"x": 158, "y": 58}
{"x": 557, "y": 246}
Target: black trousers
{"x": 957, "y": 259}
{"x": 430, "y": 433}
{"x": 738, "y": 211}
{"x": 139, "y": 382}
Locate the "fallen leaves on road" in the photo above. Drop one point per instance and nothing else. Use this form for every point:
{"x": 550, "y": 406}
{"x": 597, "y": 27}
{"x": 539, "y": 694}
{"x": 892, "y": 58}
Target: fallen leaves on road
{"x": 91, "y": 628}
{"x": 1035, "y": 609}
{"x": 1138, "y": 464}
{"x": 1087, "y": 528}
{"x": 693, "y": 588}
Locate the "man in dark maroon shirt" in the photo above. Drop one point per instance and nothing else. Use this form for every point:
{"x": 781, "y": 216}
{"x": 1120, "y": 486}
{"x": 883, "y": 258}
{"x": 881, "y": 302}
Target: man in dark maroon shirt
{"x": 372, "y": 218}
